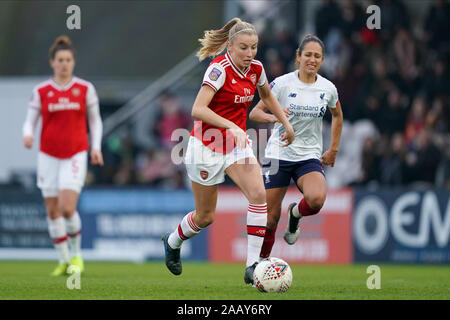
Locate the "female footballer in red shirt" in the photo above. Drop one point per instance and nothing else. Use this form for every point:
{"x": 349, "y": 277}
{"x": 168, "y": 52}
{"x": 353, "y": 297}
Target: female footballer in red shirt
{"x": 219, "y": 144}
{"x": 65, "y": 103}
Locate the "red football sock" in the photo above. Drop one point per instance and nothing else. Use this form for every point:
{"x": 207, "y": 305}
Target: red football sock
{"x": 305, "y": 209}
{"x": 269, "y": 240}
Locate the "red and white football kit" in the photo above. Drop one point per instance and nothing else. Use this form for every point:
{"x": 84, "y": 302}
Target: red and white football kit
{"x": 211, "y": 149}
{"x": 65, "y": 112}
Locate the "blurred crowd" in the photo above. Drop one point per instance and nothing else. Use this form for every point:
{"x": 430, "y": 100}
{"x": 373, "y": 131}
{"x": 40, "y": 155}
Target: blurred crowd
{"x": 127, "y": 163}
{"x": 393, "y": 85}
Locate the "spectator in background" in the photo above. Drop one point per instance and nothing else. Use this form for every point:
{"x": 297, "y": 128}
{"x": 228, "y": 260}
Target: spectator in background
{"x": 437, "y": 82}
{"x": 125, "y": 174}
{"x": 352, "y": 20}
{"x": 416, "y": 119}
{"x": 392, "y": 162}
{"x": 285, "y": 46}
{"x": 171, "y": 116}
{"x": 327, "y": 17}
{"x": 422, "y": 159}
{"x": 369, "y": 161}
{"x": 438, "y": 118}
{"x": 394, "y": 15}
{"x": 437, "y": 25}
{"x": 154, "y": 167}
{"x": 406, "y": 58}
{"x": 394, "y": 112}
{"x": 275, "y": 66}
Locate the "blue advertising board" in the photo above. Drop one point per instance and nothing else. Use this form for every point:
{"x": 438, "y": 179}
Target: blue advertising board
{"x": 402, "y": 226}
{"x": 123, "y": 221}
{"x": 117, "y": 224}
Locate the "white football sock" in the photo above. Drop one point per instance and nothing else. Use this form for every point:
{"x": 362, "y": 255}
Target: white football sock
{"x": 256, "y": 229}
{"x": 57, "y": 231}
{"x": 73, "y": 227}
{"x": 185, "y": 230}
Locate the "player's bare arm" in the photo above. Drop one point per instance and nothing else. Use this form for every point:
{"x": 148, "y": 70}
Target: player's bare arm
{"x": 259, "y": 114}
{"x": 274, "y": 106}
{"x": 201, "y": 111}
{"x": 329, "y": 157}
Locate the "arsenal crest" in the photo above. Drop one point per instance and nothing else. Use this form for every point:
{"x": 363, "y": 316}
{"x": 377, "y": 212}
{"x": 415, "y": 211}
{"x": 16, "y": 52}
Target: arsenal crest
{"x": 76, "y": 92}
{"x": 253, "y": 78}
{"x": 204, "y": 174}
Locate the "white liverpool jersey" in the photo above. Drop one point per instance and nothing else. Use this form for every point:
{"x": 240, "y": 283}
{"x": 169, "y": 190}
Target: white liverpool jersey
{"x": 307, "y": 103}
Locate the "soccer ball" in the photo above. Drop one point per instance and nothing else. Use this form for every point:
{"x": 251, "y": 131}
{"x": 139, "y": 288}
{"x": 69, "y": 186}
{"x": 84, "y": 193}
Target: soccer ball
{"x": 272, "y": 275}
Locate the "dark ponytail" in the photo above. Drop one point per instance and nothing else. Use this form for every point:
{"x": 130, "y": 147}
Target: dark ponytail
{"x": 61, "y": 43}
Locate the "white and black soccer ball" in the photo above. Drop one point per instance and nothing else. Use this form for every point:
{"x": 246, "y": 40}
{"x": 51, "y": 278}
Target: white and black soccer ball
{"x": 272, "y": 275}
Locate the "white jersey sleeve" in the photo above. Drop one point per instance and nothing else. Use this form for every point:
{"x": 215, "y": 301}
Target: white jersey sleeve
{"x": 29, "y": 126}
{"x": 94, "y": 118}
{"x": 333, "y": 98}
{"x": 275, "y": 87}
{"x": 35, "y": 100}
{"x": 33, "y": 114}
{"x": 214, "y": 76}
{"x": 262, "y": 78}
{"x": 91, "y": 95}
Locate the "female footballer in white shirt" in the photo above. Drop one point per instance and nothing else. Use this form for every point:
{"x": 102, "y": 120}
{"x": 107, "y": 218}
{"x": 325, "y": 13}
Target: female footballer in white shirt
{"x": 305, "y": 95}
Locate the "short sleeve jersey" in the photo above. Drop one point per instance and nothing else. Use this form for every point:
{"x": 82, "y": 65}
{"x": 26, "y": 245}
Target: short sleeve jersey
{"x": 235, "y": 91}
{"x": 64, "y": 120}
{"x": 307, "y": 104}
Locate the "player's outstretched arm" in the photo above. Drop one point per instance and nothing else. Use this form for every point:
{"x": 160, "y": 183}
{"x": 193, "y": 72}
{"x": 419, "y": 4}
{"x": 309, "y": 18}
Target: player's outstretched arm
{"x": 259, "y": 114}
{"x": 337, "y": 119}
{"x": 274, "y": 106}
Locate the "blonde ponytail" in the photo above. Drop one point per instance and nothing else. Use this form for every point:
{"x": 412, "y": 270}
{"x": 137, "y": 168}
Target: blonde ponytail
{"x": 215, "y": 41}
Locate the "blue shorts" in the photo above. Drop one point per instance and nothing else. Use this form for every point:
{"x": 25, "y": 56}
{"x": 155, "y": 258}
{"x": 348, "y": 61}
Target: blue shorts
{"x": 280, "y": 176}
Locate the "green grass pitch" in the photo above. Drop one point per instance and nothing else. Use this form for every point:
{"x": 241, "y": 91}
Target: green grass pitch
{"x": 212, "y": 281}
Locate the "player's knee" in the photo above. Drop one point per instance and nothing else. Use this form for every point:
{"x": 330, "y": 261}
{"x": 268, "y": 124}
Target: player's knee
{"x": 52, "y": 209}
{"x": 257, "y": 196}
{"x": 315, "y": 201}
{"x": 66, "y": 210}
{"x": 205, "y": 218}
{"x": 53, "y": 212}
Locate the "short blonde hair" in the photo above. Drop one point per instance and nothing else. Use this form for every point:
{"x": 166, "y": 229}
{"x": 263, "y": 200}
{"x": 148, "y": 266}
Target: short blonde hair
{"x": 215, "y": 41}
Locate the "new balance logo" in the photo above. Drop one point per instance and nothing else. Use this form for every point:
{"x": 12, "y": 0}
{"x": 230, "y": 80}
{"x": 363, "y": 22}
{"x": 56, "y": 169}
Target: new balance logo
{"x": 292, "y": 95}
{"x": 233, "y": 81}
{"x": 322, "y": 95}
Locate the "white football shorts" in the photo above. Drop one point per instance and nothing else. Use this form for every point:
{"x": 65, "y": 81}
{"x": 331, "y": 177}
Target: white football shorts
{"x": 207, "y": 167}
{"x": 54, "y": 174}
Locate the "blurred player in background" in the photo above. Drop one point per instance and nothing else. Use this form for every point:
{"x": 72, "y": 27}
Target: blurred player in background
{"x": 65, "y": 103}
{"x": 305, "y": 95}
{"x": 219, "y": 144}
